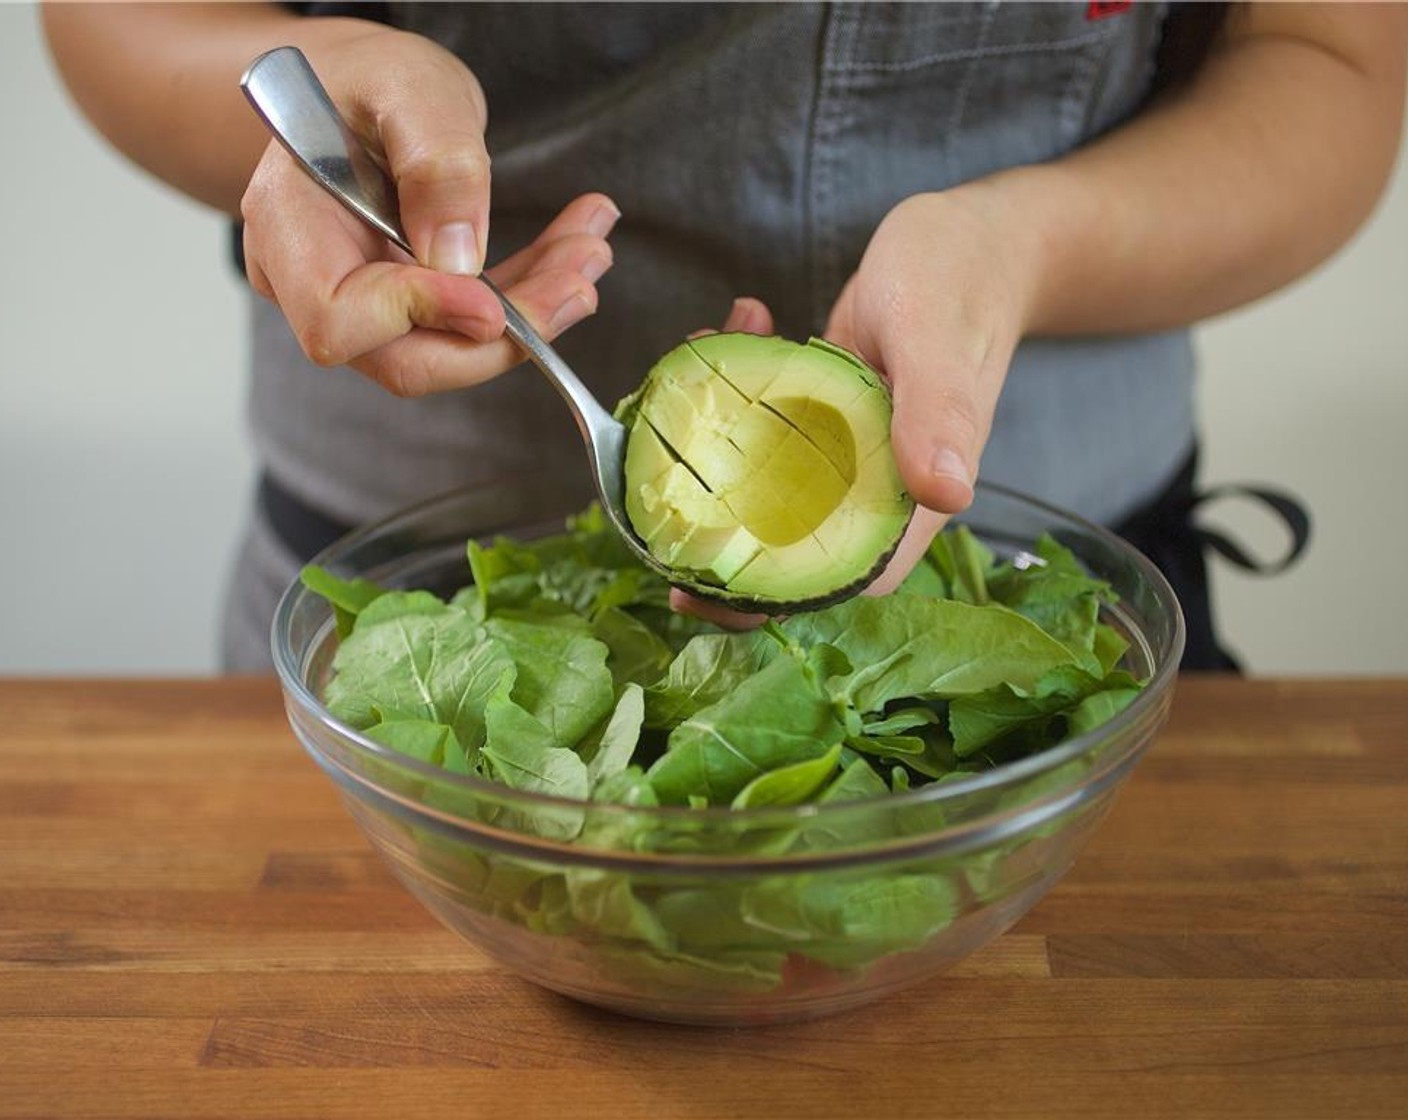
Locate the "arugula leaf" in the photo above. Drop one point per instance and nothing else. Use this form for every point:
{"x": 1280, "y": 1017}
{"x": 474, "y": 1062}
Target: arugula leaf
{"x": 707, "y": 919}
{"x": 773, "y": 718}
{"x": 789, "y": 785}
{"x": 850, "y": 921}
{"x": 606, "y": 903}
{"x": 1104, "y": 705}
{"x": 924, "y": 579}
{"x": 626, "y": 787}
{"x": 903, "y": 719}
{"x": 675, "y": 629}
{"x": 399, "y": 604}
{"x": 709, "y": 668}
{"x": 609, "y": 749}
{"x": 467, "y": 599}
{"x": 519, "y": 752}
{"x": 435, "y": 665}
{"x": 1056, "y": 593}
{"x": 886, "y": 746}
{"x": 582, "y": 587}
{"x": 348, "y": 597}
{"x": 561, "y": 679}
{"x": 505, "y": 574}
{"x": 501, "y": 886}
{"x": 964, "y": 563}
{"x": 980, "y": 720}
{"x": 740, "y": 971}
{"x": 635, "y": 652}
{"x": 631, "y": 588}
{"x": 855, "y": 783}
{"x": 596, "y": 541}
{"x": 929, "y": 753}
{"x": 913, "y": 648}
{"x": 434, "y": 743}
{"x": 586, "y": 570}
{"x": 1109, "y": 646}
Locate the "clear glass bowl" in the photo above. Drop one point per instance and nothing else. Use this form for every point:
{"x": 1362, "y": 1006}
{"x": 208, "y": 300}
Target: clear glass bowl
{"x": 719, "y": 915}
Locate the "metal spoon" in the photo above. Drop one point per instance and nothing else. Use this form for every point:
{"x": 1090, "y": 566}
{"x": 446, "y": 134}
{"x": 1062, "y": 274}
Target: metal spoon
{"x": 285, "y": 92}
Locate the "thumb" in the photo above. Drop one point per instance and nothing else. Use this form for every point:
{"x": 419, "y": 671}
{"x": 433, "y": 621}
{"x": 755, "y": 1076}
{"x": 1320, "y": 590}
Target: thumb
{"x": 937, "y": 435}
{"x": 946, "y": 377}
{"x": 433, "y": 136}
{"x": 936, "y": 432}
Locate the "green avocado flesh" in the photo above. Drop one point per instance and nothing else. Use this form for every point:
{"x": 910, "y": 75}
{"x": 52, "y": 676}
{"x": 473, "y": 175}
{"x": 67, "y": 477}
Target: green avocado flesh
{"x": 760, "y": 470}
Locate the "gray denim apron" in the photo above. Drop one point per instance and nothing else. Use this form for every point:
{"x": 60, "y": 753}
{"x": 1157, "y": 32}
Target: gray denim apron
{"x": 752, "y": 150}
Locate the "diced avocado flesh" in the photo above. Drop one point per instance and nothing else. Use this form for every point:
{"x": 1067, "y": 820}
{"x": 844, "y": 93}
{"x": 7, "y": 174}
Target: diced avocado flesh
{"x": 761, "y": 469}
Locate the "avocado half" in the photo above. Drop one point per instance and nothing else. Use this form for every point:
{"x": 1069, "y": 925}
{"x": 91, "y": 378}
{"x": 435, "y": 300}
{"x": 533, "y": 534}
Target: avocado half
{"x": 760, "y": 471}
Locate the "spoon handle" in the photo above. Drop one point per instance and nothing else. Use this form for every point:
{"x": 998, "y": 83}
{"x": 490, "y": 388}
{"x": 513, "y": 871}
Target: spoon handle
{"x": 287, "y": 94}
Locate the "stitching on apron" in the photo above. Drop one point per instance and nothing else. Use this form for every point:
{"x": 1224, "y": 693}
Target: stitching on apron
{"x": 965, "y": 83}
{"x": 980, "y": 52}
{"x": 1076, "y": 105}
{"x": 839, "y": 39}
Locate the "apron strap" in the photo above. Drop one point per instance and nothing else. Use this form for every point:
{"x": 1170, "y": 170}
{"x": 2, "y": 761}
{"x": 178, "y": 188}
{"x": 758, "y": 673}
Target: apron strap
{"x": 1292, "y": 513}
{"x": 1166, "y": 531}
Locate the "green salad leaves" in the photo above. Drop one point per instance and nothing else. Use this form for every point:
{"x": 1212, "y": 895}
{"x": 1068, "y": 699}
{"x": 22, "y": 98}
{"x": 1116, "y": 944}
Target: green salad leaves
{"x": 562, "y": 668}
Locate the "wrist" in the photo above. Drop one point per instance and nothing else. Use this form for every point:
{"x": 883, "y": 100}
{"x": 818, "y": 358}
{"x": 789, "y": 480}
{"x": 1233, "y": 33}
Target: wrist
{"x": 1039, "y": 223}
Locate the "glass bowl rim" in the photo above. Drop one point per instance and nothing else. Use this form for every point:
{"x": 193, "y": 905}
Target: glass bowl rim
{"x": 1008, "y": 774}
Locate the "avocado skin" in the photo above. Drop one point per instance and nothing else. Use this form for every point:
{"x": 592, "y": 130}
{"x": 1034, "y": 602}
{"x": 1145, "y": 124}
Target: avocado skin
{"x": 753, "y": 605}
{"x": 687, "y": 579}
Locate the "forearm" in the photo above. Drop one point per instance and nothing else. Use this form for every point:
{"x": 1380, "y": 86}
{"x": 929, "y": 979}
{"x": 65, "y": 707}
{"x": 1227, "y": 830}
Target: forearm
{"x": 161, "y": 82}
{"x": 1242, "y": 181}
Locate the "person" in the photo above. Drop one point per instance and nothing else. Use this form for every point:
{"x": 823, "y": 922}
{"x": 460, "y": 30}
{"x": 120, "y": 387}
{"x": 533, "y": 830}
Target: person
{"x": 1013, "y": 211}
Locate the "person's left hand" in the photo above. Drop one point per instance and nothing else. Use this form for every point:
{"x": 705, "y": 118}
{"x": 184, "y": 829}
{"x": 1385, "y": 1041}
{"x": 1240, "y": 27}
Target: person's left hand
{"x": 937, "y": 307}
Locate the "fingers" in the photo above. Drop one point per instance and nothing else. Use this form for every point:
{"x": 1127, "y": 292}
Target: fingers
{"x": 420, "y": 323}
{"x": 684, "y": 603}
{"x": 922, "y": 528}
{"x": 585, "y": 221}
{"x": 579, "y": 253}
{"x": 944, "y": 374}
{"x": 746, "y": 316}
{"x": 749, "y": 316}
{"x": 333, "y": 279}
{"x": 937, "y": 433}
{"x": 352, "y": 299}
{"x": 430, "y": 120}
{"x": 429, "y": 361}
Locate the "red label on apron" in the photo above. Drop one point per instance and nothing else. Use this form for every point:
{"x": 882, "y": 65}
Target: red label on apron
{"x": 1099, "y": 9}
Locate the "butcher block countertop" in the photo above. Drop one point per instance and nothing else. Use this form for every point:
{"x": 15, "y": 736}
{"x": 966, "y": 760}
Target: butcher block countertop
{"x": 192, "y": 927}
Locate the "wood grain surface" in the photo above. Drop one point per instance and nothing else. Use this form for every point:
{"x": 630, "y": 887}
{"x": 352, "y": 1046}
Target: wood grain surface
{"x": 191, "y": 927}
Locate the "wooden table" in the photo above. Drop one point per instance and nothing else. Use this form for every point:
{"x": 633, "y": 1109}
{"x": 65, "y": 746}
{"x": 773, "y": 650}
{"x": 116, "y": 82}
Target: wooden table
{"x": 190, "y": 926}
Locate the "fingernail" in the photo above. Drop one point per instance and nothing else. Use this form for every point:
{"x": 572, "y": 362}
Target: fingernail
{"x": 603, "y": 220}
{"x": 595, "y": 267}
{"x": 481, "y": 330}
{"x": 737, "y": 316}
{"x": 455, "y": 249}
{"x": 574, "y": 310}
{"x": 947, "y": 462}
{"x": 742, "y": 315}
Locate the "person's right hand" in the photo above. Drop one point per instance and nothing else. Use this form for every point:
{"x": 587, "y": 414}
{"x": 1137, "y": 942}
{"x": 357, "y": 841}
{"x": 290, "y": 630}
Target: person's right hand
{"x": 424, "y": 324}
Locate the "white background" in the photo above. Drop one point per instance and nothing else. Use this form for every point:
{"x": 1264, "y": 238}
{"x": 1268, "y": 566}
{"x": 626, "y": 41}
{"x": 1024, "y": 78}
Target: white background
{"x": 124, "y": 469}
